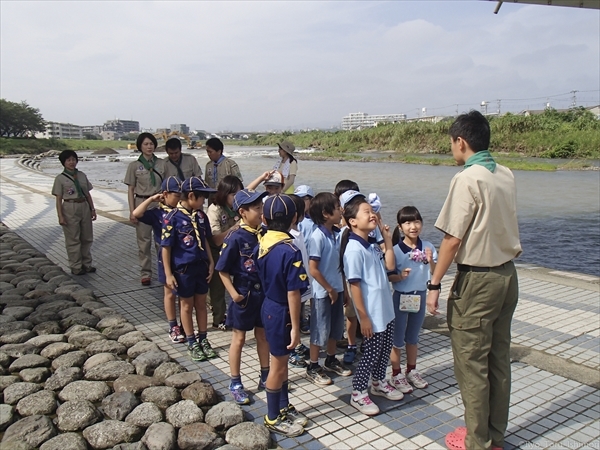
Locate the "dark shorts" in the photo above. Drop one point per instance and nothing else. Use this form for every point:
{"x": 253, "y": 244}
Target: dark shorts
{"x": 246, "y": 315}
{"x": 278, "y": 325}
{"x": 191, "y": 279}
{"x": 160, "y": 268}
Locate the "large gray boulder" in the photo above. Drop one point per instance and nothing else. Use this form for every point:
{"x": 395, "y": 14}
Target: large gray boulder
{"x": 196, "y": 436}
{"x": 160, "y": 436}
{"x": 110, "y": 321}
{"x": 93, "y": 391}
{"x": 65, "y": 441}
{"x": 47, "y": 339}
{"x": 130, "y": 446}
{"x": 76, "y": 415}
{"x": 116, "y": 331}
{"x": 97, "y": 359}
{"x": 41, "y": 402}
{"x": 132, "y": 338}
{"x": 56, "y": 305}
{"x": 17, "y": 391}
{"x": 224, "y": 415}
{"x": 134, "y": 383}
{"x": 106, "y": 346}
{"x": 109, "y": 433}
{"x": 109, "y": 371}
{"x": 62, "y": 377}
{"x": 98, "y": 309}
{"x": 29, "y": 362}
{"x": 71, "y": 359}
{"x": 249, "y": 436}
{"x": 70, "y": 311}
{"x": 183, "y": 413}
{"x": 201, "y": 393}
{"x": 147, "y": 362}
{"x": 7, "y": 415}
{"x": 82, "y": 339}
{"x": 36, "y": 375}
{"x": 82, "y": 295}
{"x": 47, "y": 328}
{"x": 161, "y": 396}
{"x": 34, "y": 430}
{"x": 18, "y": 350}
{"x": 145, "y": 415}
{"x": 56, "y": 349}
{"x": 181, "y": 380}
{"x": 7, "y": 380}
{"x": 4, "y": 360}
{"x": 10, "y": 327}
{"x": 166, "y": 369}
{"x": 118, "y": 405}
{"x": 81, "y": 318}
{"x": 16, "y": 336}
{"x": 142, "y": 347}
{"x": 77, "y": 328}
{"x": 38, "y": 317}
{"x": 18, "y": 312}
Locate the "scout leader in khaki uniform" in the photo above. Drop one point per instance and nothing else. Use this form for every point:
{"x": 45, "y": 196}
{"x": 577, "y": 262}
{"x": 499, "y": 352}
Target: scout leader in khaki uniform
{"x": 218, "y": 166}
{"x": 144, "y": 177}
{"x": 180, "y": 165}
{"x": 76, "y": 212}
{"x": 479, "y": 219}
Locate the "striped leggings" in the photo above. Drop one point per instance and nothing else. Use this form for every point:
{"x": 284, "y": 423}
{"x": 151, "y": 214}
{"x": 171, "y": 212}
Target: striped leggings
{"x": 375, "y": 358}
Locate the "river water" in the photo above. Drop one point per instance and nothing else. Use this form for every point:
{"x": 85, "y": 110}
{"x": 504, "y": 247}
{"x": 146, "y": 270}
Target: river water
{"x": 559, "y": 212}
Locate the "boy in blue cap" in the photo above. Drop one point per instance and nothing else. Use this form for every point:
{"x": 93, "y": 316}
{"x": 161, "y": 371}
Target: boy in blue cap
{"x": 283, "y": 279}
{"x": 238, "y": 271}
{"x": 169, "y": 198}
{"x": 188, "y": 263}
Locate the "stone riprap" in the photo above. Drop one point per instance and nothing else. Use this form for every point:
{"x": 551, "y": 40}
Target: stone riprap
{"x": 75, "y": 374}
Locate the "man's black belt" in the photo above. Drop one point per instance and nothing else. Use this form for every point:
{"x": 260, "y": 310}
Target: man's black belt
{"x": 143, "y": 196}
{"x": 467, "y": 268}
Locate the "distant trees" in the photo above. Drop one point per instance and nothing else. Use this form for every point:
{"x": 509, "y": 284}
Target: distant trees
{"x": 19, "y": 119}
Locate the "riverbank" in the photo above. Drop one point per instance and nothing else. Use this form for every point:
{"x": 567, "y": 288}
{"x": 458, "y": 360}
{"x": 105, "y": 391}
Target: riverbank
{"x": 27, "y": 146}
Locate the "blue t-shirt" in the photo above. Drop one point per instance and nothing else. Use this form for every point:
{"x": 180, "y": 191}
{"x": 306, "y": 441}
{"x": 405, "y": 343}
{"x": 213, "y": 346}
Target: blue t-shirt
{"x": 281, "y": 270}
{"x": 238, "y": 259}
{"x": 420, "y": 273}
{"x": 324, "y": 246}
{"x": 306, "y": 227}
{"x": 178, "y": 233}
{"x": 364, "y": 263}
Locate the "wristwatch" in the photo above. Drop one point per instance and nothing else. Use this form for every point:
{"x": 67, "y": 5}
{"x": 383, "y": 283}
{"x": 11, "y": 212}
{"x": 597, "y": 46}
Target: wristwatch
{"x": 434, "y": 287}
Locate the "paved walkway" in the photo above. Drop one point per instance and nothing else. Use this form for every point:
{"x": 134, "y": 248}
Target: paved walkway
{"x": 556, "y": 331}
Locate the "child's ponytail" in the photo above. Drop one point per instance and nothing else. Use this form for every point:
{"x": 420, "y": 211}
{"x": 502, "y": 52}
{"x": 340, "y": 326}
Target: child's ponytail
{"x": 343, "y": 244}
{"x": 396, "y": 236}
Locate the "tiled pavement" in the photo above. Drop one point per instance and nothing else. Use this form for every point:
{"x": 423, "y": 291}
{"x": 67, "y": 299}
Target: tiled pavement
{"x": 558, "y": 314}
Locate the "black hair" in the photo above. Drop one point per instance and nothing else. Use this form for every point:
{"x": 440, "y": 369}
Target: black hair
{"x": 344, "y": 186}
{"x": 247, "y": 206}
{"x": 350, "y": 211}
{"x": 280, "y": 223}
{"x": 141, "y": 137}
{"x": 300, "y": 207}
{"x": 196, "y": 194}
{"x": 66, "y": 154}
{"x": 228, "y": 185}
{"x": 474, "y": 128}
{"x": 323, "y": 202}
{"x": 215, "y": 144}
{"x": 406, "y": 214}
{"x": 173, "y": 144}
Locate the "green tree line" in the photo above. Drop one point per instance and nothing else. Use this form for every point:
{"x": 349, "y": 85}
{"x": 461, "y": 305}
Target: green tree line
{"x": 19, "y": 119}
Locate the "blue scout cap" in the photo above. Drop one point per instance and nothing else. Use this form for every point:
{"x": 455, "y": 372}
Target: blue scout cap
{"x": 279, "y": 206}
{"x": 171, "y": 184}
{"x": 193, "y": 184}
{"x": 245, "y": 197}
{"x": 304, "y": 191}
{"x": 347, "y": 196}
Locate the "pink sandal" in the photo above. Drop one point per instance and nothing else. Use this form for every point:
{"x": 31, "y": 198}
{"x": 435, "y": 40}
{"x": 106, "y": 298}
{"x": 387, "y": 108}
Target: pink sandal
{"x": 457, "y": 440}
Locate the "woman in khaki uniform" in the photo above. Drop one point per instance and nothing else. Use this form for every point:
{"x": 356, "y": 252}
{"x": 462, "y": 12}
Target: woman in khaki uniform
{"x": 76, "y": 212}
{"x": 144, "y": 177}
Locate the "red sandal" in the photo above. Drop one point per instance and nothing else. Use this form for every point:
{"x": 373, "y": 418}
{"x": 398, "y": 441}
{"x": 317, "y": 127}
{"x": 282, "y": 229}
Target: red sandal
{"x": 457, "y": 440}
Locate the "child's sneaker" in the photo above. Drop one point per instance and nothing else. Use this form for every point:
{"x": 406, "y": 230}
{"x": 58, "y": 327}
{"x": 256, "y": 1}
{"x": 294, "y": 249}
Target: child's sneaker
{"x": 176, "y": 335}
{"x": 195, "y": 353}
{"x": 336, "y": 366}
{"x": 417, "y": 381}
{"x": 297, "y": 360}
{"x": 239, "y": 394}
{"x": 364, "y": 404}
{"x": 283, "y": 425}
{"x": 317, "y": 376}
{"x": 207, "y": 349}
{"x": 350, "y": 355}
{"x": 302, "y": 350}
{"x": 399, "y": 382}
{"x": 384, "y": 389}
{"x": 262, "y": 385}
{"x": 292, "y": 413}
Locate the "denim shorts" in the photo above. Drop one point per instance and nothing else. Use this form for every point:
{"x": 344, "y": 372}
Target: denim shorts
{"x": 408, "y": 325}
{"x": 326, "y": 320}
{"x": 191, "y": 279}
{"x": 278, "y": 325}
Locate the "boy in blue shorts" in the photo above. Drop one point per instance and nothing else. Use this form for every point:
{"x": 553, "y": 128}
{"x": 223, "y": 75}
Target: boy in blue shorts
{"x": 283, "y": 279}
{"x": 327, "y": 305}
{"x": 188, "y": 263}
{"x": 238, "y": 271}
{"x": 169, "y": 198}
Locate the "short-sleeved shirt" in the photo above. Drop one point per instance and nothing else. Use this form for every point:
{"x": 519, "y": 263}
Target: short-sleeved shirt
{"x": 221, "y": 219}
{"x": 420, "y": 273}
{"x": 324, "y": 247}
{"x": 364, "y": 263}
{"x": 238, "y": 259}
{"x": 156, "y": 218}
{"x": 65, "y": 187}
{"x": 226, "y": 167}
{"x": 481, "y": 211}
{"x": 189, "y": 166}
{"x": 281, "y": 271}
{"x": 138, "y": 177}
{"x": 306, "y": 226}
{"x": 179, "y": 234}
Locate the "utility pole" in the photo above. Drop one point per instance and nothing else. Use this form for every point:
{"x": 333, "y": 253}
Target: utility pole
{"x": 457, "y": 110}
{"x": 574, "y": 99}
{"x": 498, "y": 110}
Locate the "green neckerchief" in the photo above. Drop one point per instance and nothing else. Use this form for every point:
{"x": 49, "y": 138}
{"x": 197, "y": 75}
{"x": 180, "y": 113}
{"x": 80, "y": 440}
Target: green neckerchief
{"x": 270, "y": 240}
{"x": 73, "y": 177}
{"x": 178, "y": 167}
{"x": 149, "y": 166}
{"x": 482, "y": 158}
{"x": 231, "y": 213}
{"x": 193, "y": 216}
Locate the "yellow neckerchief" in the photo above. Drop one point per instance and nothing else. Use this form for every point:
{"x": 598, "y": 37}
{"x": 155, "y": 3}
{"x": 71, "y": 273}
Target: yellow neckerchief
{"x": 270, "y": 240}
{"x": 165, "y": 207}
{"x": 249, "y": 229}
{"x": 193, "y": 219}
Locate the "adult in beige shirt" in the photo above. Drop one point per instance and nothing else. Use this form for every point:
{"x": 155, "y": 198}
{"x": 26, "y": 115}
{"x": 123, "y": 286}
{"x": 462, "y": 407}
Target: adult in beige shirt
{"x": 479, "y": 222}
{"x": 143, "y": 178}
{"x": 219, "y": 165}
{"x": 180, "y": 165}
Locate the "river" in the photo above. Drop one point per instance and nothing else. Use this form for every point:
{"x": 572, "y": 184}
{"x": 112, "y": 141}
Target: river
{"x": 559, "y": 212}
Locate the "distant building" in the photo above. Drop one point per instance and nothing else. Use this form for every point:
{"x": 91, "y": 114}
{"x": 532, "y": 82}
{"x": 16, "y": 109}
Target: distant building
{"x": 110, "y": 135}
{"x": 357, "y": 121}
{"x": 122, "y": 126}
{"x": 58, "y": 130}
{"x": 181, "y": 128}
{"x": 92, "y": 129}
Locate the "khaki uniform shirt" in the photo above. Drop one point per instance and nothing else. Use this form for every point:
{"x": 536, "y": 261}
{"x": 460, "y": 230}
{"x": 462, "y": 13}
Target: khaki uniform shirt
{"x": 65, "y": 188}
{"x": 481, "y": 211}
{"x": 219, "y": 220}
{"x": 226, "y": 167}
{"x": 138, "y": 177}
{"x": 189, "y": 167}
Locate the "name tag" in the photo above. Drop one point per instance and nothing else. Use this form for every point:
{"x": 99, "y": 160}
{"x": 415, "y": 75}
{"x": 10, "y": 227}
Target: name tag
{"x": 410, "y": 303}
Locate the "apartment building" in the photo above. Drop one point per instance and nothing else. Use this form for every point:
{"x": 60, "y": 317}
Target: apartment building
{"x": 58, "y": 130}
{"x": 122, "y": 126}
{"x": 360, "y": 120}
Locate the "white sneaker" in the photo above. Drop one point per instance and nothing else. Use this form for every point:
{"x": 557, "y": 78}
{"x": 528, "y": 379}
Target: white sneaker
{"x": 362, "y": 402}
{"x": 400, "y": 383}
{"x": 384, "y": 389}
{"x": 417, "y": 381}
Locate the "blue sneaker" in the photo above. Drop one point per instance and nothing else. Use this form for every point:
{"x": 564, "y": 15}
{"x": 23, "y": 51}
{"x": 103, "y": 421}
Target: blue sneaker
{"x": 297, "y": 360}
{"x": 239, "y": 394}
{"x": 350, "y": 355}
{"x": 303, "y": 351}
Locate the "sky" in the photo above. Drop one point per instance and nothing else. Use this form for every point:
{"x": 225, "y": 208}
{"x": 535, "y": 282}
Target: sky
{"x": 257, "y": 66}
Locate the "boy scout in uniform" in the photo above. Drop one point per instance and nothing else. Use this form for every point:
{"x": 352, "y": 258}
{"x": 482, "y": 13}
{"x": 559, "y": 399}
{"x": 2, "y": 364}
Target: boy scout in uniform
{"x": 479, "y": 219}
{"x": 76, "y": 211}
{"x": 180, "y": 165}
{"x": 219, "y": 166}
{"x": 144, "y": 177}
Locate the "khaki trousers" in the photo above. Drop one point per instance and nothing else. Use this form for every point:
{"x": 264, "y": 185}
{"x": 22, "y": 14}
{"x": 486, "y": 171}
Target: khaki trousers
{"x": 480, "y": 310}
{"x": 216, "y": 292}
{"x": 143, "y": 234}
{"x": 79, "y": 234}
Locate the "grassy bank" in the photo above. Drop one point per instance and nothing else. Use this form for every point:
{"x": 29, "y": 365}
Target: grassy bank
{"x": 17, "y": 146}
